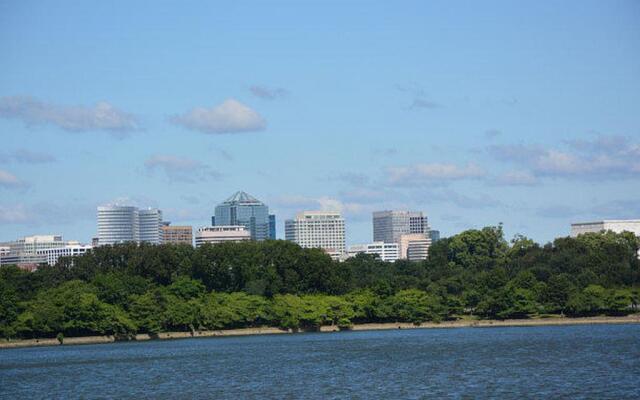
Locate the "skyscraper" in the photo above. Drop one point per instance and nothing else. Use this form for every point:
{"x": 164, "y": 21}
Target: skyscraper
{"x": 244, "y": 209}
{"x": 389, "y": 226}
{"x": 272, "y": 227}
{"x": 150, "y": 225}
{"x": 318, "y": 229}
{"x": 121, "y": 224}
{"x": 409, "y": 229}
{"x": 118, "y": 224}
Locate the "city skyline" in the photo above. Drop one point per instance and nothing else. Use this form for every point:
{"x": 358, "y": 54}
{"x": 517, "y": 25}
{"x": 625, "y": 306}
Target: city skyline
{"x": 409, "y": 215}
{"x": 523, "y": 114}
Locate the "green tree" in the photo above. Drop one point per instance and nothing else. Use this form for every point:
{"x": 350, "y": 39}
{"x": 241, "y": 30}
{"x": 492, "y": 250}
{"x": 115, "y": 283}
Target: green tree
{"x": 416, "y": 306}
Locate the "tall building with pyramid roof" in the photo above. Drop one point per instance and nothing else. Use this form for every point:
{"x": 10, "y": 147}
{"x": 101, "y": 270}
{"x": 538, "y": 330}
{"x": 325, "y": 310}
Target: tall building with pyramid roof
{"x": 243, "y": 209}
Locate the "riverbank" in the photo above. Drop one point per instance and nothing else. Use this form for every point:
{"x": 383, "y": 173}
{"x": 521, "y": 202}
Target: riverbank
{"x": 466, "y": 323}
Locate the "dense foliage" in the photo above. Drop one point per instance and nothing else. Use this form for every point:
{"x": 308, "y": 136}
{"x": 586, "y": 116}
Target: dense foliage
{"x": 127, "y": 289}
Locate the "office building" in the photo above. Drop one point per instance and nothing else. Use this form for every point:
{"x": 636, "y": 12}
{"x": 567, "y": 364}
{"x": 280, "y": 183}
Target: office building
{"x": 318, "y": 229}
{"x": 29, "y": 262}
{"x": 70, "y": 249}
{"x": 220, "y": 234}
{"x": 31, "y": 251}
{"x": 388, "y": 252}
{"x": 389, "y": 225}
{"x": 118, "y": 224}
{"x": 272, "y": 227}
{"x": 244, "y": 209}
{"x": 31, "y": 244}
{"x": 414, "y": 246}
{"x": 615, "y": 225}
{"x": 150, "y": 225}
{"x": 22, "y": 252}
{"x": 175, "y": 234}
{"x": 434, "y": 236}
{"x": 4, "y": 252}
{"x": 122, "y": 224}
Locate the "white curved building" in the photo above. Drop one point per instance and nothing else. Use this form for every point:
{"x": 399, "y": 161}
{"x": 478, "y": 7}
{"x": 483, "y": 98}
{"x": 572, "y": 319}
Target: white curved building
{"x": 150, "y": 225}
{"x": 118, "y": 224}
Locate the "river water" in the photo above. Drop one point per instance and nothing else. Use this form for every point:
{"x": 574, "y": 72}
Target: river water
{"x": 599, "y": 361}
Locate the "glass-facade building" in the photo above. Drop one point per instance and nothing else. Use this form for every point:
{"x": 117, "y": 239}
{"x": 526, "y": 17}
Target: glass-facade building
{"x": 272, "y": 227}
{"x": 389, "y": 226}
{"x": 244, "y": 209}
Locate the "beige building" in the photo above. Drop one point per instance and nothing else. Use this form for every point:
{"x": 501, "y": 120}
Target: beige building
{"x": 222, "y": 233}
{"x": 414, "y": 246}
{"x": 177, "y": 234}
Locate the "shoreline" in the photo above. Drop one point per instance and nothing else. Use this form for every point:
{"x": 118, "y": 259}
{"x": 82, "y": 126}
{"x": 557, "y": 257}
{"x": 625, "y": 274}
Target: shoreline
{"x": 551, "y": 321}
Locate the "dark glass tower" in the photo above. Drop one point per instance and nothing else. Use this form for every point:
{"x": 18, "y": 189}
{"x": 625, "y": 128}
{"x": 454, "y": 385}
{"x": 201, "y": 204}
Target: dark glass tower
{"x": 272, "y": 227}
{"x": 244, "y": 209}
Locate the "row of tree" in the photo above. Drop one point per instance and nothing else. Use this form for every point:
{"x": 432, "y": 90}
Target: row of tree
{"x": 130, "y": 288}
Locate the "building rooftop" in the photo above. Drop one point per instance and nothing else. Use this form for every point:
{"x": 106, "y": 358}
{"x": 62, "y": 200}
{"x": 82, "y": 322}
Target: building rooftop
{"x": 318, "y": 214}
{"x": 222, "y": 228}
{"x": 241, "y": 197}
{"x": 606, "y": 221}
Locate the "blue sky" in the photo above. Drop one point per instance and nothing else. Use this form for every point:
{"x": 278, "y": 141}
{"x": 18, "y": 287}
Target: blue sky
{"x": 473, "y": 112}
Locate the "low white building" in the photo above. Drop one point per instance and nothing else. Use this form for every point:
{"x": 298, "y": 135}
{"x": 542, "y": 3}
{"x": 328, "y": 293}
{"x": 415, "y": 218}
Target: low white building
{"x": 388, "y": 252}
{"x": 30, "y": 251}
{"x": 71, "y": 249}
{"x": 31, "y": 244}
{"x": 615, "y": 225}
{"x": 222, "y": 233}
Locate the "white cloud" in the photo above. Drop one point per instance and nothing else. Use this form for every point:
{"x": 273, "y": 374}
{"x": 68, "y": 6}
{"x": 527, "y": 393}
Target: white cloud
{"x": 516, "y": 178}
{"x": 435, "y": 172}
{"x": 13, "y": 214}
{"x": 352, "y": 178}
{"x": 180, "y": 169}
{"x": 27, "y": 157}
{"x": 267, "y": 93}
{"x": 293, "y": 204}
{"x": 610, "y": 157}
{"x": 10, "y": 181}
{"x": 557, "y": 162}
{"x": 46, "y": 214}
{"x": 102, "y": 116}
{"x": 461, "y": 200}
{"x": 229, "y": 117}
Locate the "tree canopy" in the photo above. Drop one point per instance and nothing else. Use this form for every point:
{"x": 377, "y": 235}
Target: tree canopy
{"x": 130, "y": 288}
